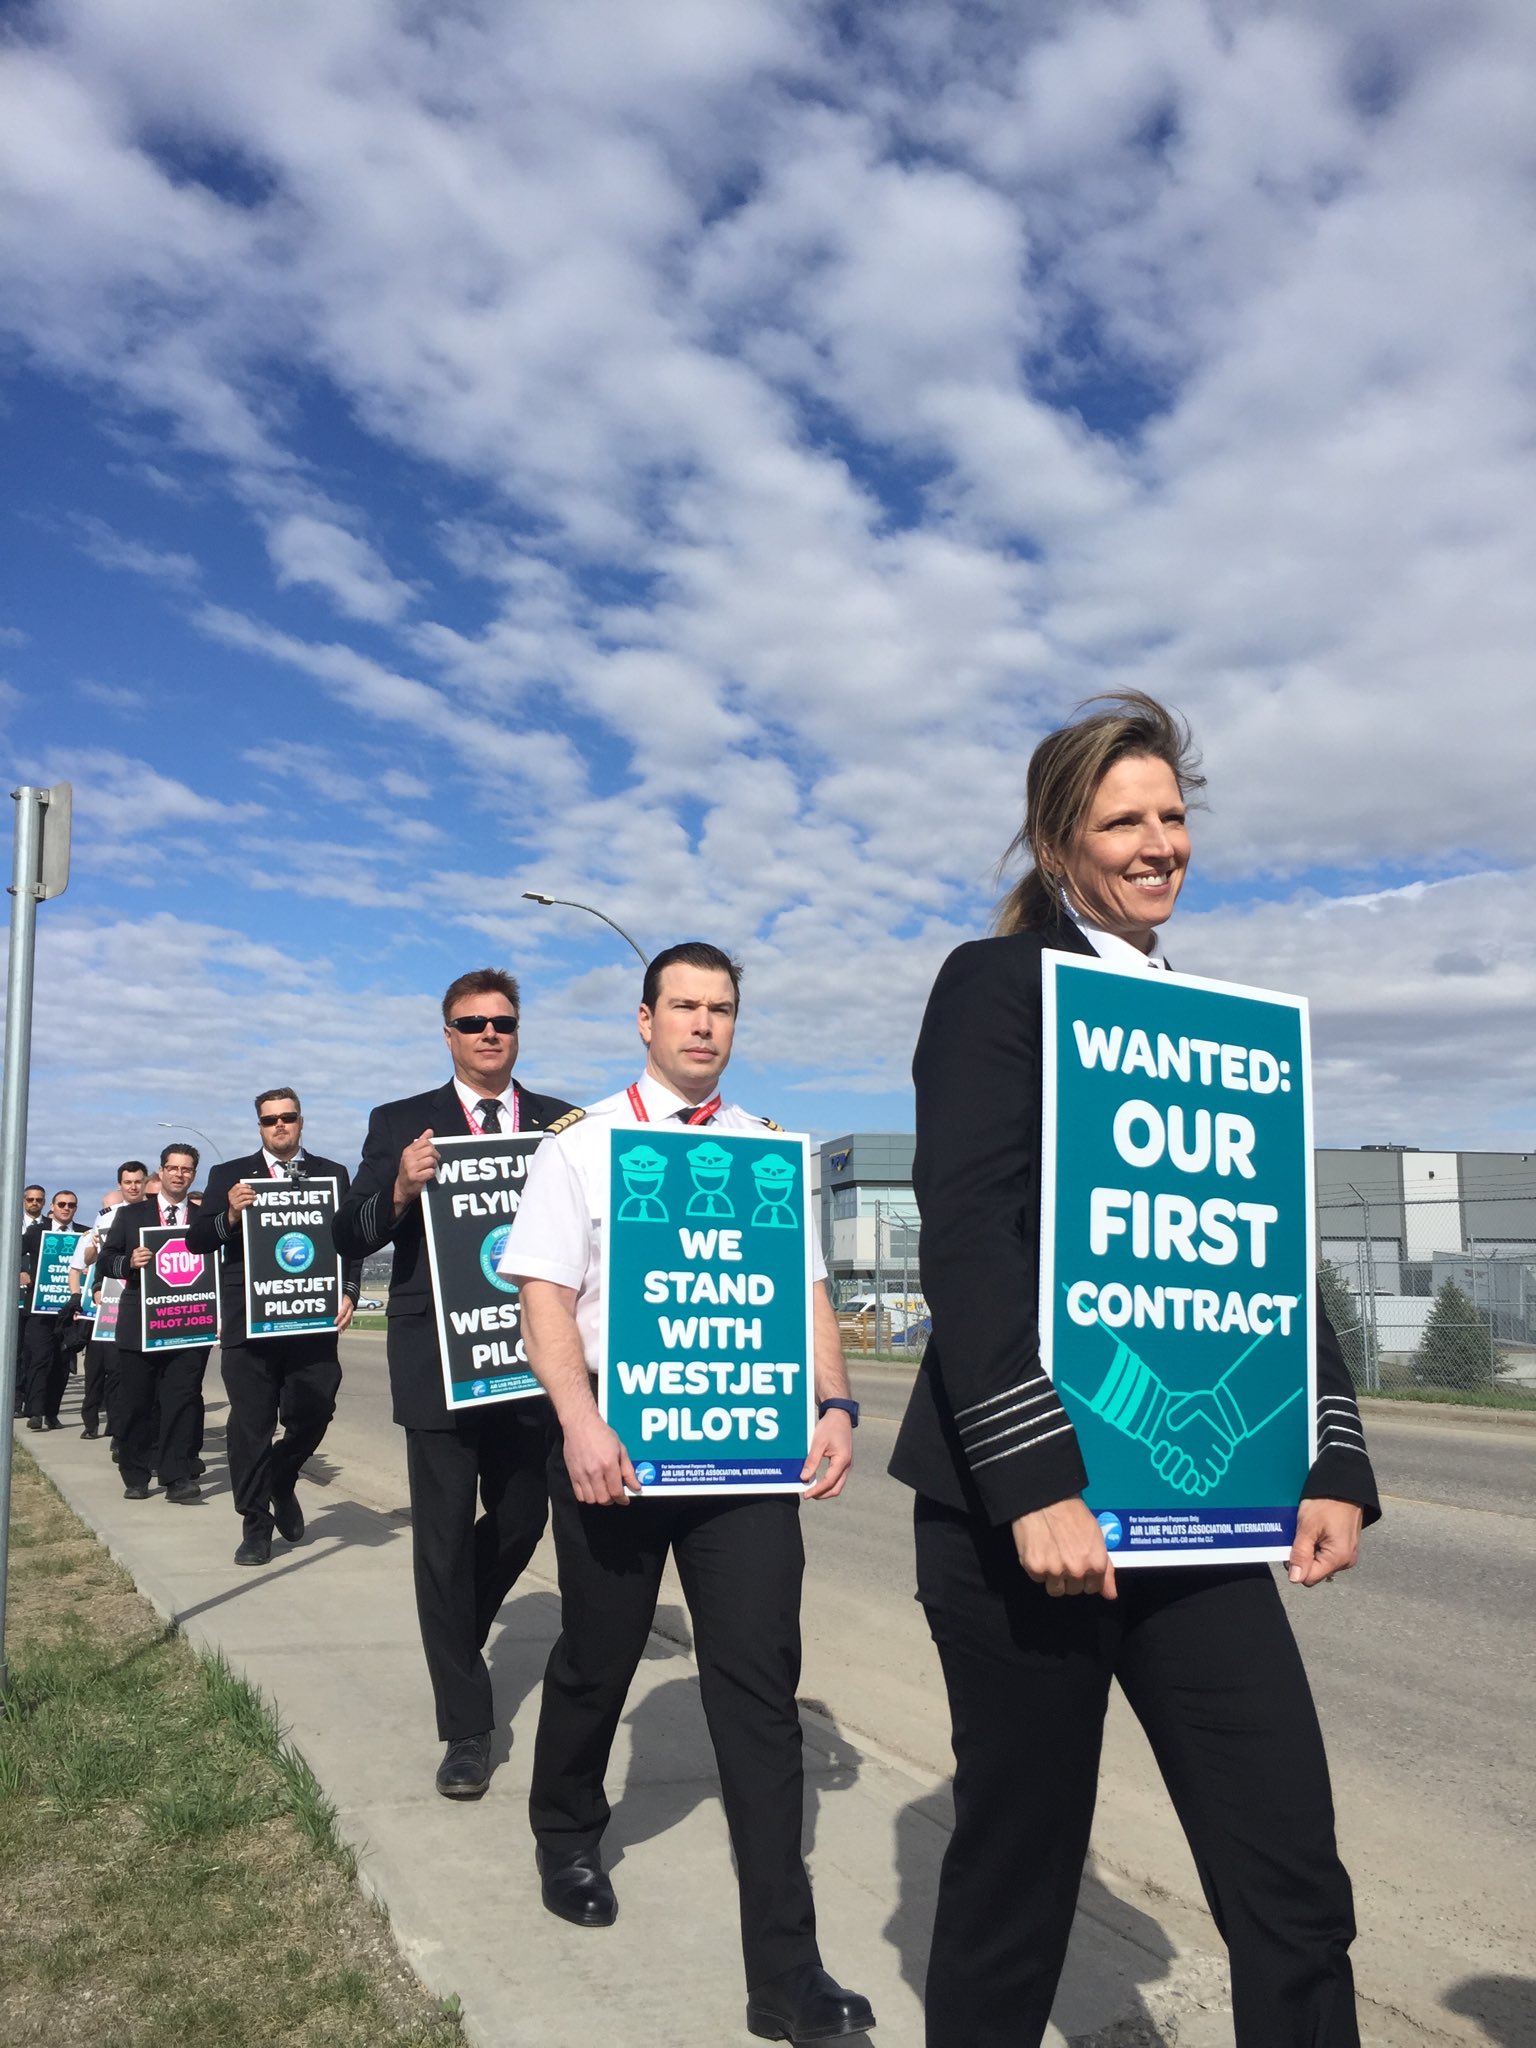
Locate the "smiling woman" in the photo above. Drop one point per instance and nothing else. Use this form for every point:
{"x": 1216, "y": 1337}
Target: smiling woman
{"x": 1013, "y": 1568}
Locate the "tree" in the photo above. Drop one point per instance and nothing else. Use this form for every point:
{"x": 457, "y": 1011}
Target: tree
{"x": 1456, "y": 1349}
{"x": 1343, "y": 1311}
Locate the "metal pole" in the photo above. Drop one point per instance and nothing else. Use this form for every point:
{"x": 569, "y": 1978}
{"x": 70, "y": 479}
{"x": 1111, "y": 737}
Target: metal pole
{"x": 879, "y": 1270}
{"x": 26, "y": 868}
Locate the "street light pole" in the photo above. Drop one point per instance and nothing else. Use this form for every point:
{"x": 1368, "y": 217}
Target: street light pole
{"x": 537, "y": 896}
{"x": 161, "y": 1124}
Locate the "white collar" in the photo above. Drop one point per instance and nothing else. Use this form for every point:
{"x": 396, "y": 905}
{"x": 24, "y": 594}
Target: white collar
{"x": 472, "y": 1099}
{"x": 1117, "y": 951}
{"x": 661, "y": 1101}
{"x": 286, "y": 1164}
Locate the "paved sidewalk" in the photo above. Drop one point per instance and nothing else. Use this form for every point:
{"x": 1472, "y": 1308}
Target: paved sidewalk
{"x": 328, "y": 1631}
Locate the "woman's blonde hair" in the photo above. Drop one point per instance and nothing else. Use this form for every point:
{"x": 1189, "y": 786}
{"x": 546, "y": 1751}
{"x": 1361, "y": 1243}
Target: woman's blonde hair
{"x": 1064, "y": 772}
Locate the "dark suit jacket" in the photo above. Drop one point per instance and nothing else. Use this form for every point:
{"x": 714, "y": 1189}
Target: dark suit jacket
{"x": 976, "y": 1174}
{"x": 210, "y": 1232}
{"x": 365, "y": 1223}
{"x": 117, "y": 1247}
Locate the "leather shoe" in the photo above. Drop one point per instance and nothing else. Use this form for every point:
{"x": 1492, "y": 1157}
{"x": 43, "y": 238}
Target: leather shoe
{"x": 289, "y": 1517}
{"x": 806, "y": 2004}
{"x": 576, "y": 1887}
{"x": 34, "y": 1422}
{"x": 465, "y": 1770}
{"x": 255, "y": 1550}
{"x": 90, "y": 1431}
{"x": 135, "y": 1493}
{"x": 183, "y": 1493}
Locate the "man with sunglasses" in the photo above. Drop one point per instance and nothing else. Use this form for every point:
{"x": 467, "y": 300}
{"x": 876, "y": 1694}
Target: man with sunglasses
{"x": 292, "y": 1381}
{"x": 44, "y": 1358}
{"x": 464, "y": 1567}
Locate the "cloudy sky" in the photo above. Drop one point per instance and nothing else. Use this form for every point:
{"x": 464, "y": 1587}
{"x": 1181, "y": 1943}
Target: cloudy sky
{"x": 681, "y": 457}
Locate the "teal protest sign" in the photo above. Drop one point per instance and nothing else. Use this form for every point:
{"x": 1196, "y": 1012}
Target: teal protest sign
{"x": 706, "y": 1368}
{"x": 50, "y": 1283}
{"x": 1176, "y": 1257}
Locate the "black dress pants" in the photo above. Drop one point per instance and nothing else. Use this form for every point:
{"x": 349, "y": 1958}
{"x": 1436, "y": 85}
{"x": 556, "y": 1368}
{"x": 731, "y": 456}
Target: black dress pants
{"x": 741, "y": 1562}
{"x": 45, "y": 1364}
{"x": 290, "y": 1381}
{"x": 160, "y": 1413}
{"x": 93, "y": 1399}
{"x": 464, "y": 1567}
{"x": 1206, "y": 1659}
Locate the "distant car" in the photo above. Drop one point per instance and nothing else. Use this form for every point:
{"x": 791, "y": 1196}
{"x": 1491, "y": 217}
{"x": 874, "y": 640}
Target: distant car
{"x": 369, "y": 1301}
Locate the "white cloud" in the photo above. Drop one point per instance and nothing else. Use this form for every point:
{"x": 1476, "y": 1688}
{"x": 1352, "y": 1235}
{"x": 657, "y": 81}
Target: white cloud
{"x": 120, "y": 551}
{"x": 342, "y": 564}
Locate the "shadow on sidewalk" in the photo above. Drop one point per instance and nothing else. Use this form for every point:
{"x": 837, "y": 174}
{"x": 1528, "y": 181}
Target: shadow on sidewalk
{"x": 337, "y": 1527}
{"x": 516, "y": 1660}
{"x": 923, "y": 1830}
{"x": 1504, "y": 2007}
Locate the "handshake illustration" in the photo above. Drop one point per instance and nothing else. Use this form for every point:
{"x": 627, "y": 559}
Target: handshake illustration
{"x": 1192, "y": 1436}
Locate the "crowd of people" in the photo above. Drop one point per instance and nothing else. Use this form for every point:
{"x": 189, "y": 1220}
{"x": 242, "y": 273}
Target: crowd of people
{"x": 1012, "y": 1569}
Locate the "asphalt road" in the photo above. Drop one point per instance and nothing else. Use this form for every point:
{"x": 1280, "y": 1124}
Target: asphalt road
{"x": 1422, "y": 1663}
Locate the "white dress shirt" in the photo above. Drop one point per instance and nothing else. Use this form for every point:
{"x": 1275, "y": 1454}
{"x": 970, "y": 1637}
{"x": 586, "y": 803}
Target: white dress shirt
{"x": 1120, "y": 952}
{"x": 557, "y": 1233}
{"x": 472, "y": 1098}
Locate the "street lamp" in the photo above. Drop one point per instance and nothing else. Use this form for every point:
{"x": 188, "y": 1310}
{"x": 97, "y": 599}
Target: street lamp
{"x": 536, "y": 896}
{"x": 161, "y": 1124}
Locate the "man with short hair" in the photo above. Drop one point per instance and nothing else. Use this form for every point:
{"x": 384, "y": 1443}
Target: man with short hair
{"x": 739, "y": 1556}
{"x": 34, "y": 1197}
{"x": 164, "y": 1383}
{"x": 43, "y": 1355}
{"x": 464, "y": 1568}
{"x": 292, "y": 1379}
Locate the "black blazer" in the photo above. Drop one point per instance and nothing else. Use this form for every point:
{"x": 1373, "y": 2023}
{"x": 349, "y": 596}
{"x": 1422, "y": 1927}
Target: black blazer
{"x": 117, "y": 1247}
{"x": 365, "y": 1223}
{"x": 210, "y": 1232}
{"x": 976, "y": 1173}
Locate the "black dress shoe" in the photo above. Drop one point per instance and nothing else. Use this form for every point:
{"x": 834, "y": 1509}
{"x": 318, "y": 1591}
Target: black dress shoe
{"x": 117, "y": 1452}
{"x": 183, "y": 1493}
{"x": 806, "y": 2004}
{"x": 135, "y": 1493}
{"x": 465, "y": 1770}
{"x": 289, "y": 1517}
{"x": 255, "y": 1550}
{"x": 90, "y": 1430}
{"x": 34, "y": 1422}
{"x": 52, "y": 1422}
{"x": 576, "y": 1887}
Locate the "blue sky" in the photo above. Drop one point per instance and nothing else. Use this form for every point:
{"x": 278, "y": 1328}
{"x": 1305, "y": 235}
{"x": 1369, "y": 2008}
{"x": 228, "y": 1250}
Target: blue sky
{"x": 683, "y": 459}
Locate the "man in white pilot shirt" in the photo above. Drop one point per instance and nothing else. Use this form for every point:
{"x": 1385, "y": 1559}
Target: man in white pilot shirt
{"x": 740, "y": 1557}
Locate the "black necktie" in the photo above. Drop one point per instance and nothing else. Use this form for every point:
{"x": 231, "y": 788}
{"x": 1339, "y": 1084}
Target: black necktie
{"x": 490, "y": 1114}
{"x": 685, "y": 1115}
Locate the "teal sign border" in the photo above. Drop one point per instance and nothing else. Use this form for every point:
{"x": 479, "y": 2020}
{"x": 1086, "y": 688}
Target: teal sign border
{"x": 1177, "y": 1262}
{"x": 707, "y": 1274}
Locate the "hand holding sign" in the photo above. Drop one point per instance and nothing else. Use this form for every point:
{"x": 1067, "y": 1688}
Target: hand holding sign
{"x": 139, "y": 1256}
{"x": 241, "y": 1196}
{"x": 418, "y": 1165}
{"x": 601, "y": 1474}
{"x": 1062, "y": 1548}
{"x": 832, "y": 1442}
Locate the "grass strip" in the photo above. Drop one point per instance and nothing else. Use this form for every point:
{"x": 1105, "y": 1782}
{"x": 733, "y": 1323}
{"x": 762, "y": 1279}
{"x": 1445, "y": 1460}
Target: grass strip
{"x": 1455, "y": 1397}
{"x": 172, "y": 1867}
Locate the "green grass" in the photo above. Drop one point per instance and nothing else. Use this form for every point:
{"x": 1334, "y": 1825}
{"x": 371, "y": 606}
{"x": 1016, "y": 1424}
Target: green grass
{"x": 172, "y": 1868}
{"x": 1456, "y": 1397}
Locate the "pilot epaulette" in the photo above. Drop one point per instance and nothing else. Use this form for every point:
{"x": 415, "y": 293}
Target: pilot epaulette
{"x": 563, "y": 1123}
{"x": 768, "y": 1120}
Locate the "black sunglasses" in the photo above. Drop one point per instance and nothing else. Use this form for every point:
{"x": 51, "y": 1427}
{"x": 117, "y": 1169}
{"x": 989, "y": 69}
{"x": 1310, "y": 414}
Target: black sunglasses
{"x": 283, "y": 1116}
{"x": 473, "y": 1026}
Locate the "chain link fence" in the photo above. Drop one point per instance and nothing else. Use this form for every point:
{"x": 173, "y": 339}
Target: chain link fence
{"x": 1461, "y": 1319}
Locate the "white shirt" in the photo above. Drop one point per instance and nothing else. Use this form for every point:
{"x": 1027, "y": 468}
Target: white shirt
{"x": 91, "y": 1239}
{"x": 171, "y": 1213}
{"x": 1120, "y": 952}
{"x": 557, "y": 1233}
{"x": 472, "y": 1099}
{"x": 288, "y": 1166}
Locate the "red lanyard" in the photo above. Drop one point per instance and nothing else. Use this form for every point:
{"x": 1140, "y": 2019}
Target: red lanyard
{"x": 701, "y": 1115}
{"x": 475, "y": 1130}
